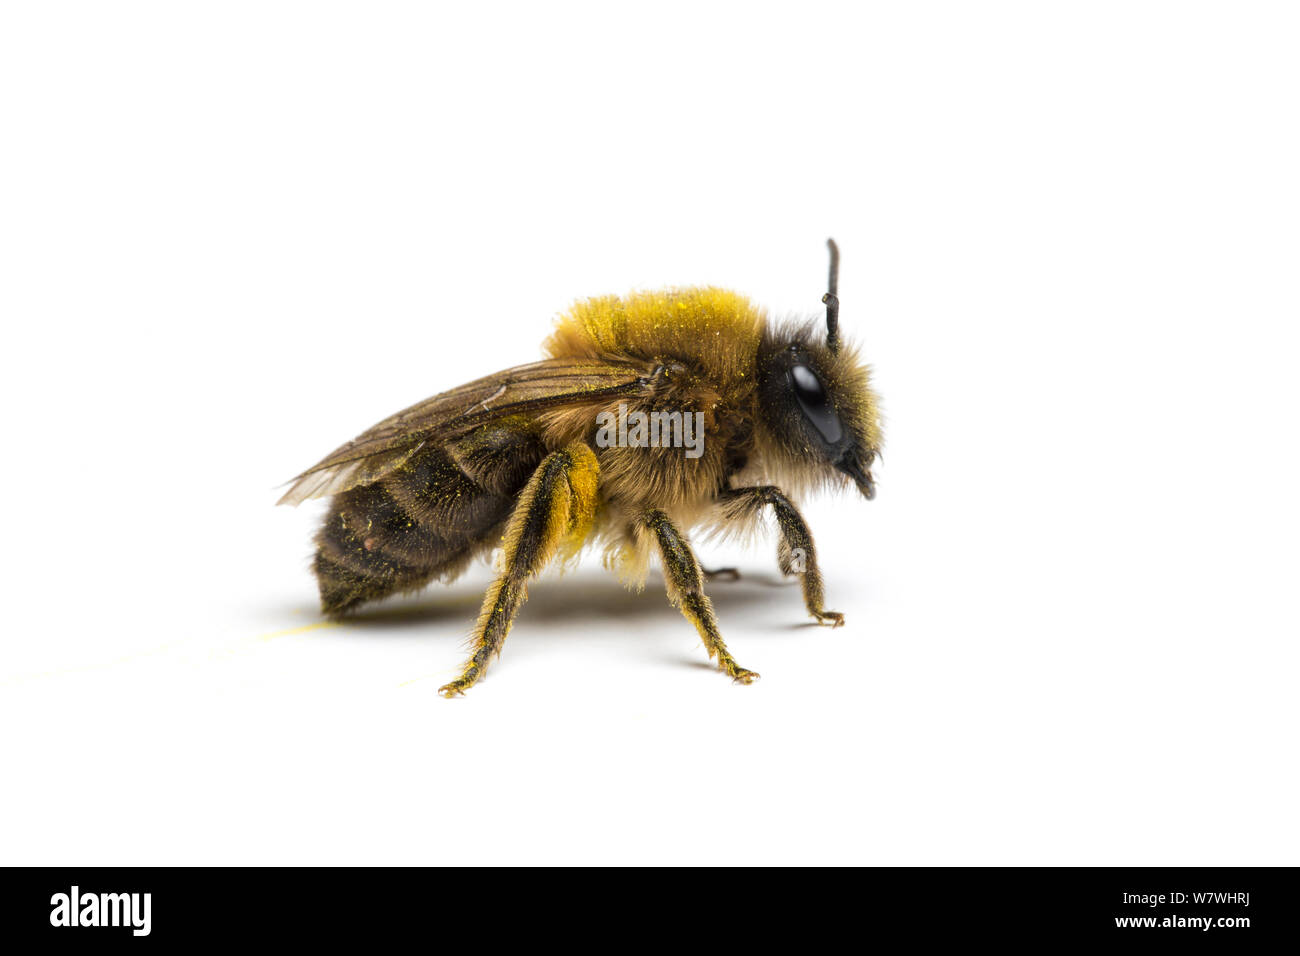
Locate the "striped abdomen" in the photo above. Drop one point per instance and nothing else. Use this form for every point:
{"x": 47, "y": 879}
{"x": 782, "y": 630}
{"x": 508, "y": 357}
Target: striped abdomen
{"x": 427, "y": 519}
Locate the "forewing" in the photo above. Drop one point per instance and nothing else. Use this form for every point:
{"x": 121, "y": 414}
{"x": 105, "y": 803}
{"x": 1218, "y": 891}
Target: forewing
{"x": 527, "y": 389}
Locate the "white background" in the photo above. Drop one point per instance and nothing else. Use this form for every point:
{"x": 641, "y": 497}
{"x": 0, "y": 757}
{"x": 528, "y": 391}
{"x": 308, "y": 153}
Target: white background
{"x": 235, "y": 235}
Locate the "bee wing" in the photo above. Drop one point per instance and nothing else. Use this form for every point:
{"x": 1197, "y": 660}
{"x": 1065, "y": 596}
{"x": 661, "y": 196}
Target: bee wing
{"x": 527, "y": 389}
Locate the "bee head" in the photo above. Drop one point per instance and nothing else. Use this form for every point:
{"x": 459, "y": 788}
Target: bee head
{"x": 816, "y": 398}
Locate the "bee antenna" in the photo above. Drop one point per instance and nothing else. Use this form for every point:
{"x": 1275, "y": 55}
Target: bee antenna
{"x": 832, "y": 300}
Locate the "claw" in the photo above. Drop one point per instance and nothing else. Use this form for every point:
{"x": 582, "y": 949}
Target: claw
{"x": 835, "y": 617}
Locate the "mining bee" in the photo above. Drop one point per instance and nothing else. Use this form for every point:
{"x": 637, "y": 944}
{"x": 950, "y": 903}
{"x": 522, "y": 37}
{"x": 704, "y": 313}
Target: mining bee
{"x": 651, "y": 416}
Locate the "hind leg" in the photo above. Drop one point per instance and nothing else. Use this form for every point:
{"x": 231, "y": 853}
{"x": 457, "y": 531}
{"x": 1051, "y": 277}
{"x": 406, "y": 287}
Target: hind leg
{"x": 554, "y": 509}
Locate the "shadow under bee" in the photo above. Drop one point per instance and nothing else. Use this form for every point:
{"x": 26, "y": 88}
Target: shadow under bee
{"x": 577, "y": 596}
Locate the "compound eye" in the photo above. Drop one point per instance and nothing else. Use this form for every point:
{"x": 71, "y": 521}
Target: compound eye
{"x": 811, "y": 395}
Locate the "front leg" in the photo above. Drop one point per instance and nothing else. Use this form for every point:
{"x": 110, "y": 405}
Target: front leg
{"x": 796, "y": 553}
{"x": 686, "y": 591}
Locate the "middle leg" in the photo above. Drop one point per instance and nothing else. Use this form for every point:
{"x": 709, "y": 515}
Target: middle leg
{"x": 686, "y": 591}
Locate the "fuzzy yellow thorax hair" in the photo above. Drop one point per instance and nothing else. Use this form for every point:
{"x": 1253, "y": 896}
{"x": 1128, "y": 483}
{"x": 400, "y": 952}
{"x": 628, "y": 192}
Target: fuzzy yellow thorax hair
{"x": 720, "y": 330}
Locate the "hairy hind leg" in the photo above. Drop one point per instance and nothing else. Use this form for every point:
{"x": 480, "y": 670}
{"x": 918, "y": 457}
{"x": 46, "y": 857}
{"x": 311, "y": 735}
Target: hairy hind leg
{"x": 555, "y": 509}
{"x": 686, "y": 590}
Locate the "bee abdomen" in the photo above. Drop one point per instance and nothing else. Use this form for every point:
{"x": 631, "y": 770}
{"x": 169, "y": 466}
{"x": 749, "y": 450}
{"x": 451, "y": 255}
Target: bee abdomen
{"x": 342, "y": 587}
{"x": 423, "y": 521}
{"x": 360, "y": 554}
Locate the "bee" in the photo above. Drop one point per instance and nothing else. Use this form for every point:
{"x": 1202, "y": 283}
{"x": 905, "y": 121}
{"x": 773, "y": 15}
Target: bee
{"x": 652, "y": 417}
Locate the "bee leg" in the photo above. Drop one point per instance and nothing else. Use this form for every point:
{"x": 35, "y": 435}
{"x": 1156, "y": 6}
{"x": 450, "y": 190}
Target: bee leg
{"x": 686, "y": 591}
{"x": 554, "y": 509}
{"x": 796, "y": 553}
{"x": 720, "y": 574}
